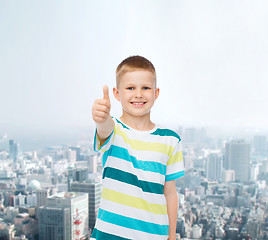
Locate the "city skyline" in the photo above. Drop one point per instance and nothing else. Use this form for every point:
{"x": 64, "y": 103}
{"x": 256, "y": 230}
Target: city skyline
{"x": 55, "y": 57}
{"x": 216, "y": 198}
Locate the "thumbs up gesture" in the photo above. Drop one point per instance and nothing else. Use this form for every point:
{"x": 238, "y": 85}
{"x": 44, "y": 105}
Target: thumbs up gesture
{"x": 101, "y": 107}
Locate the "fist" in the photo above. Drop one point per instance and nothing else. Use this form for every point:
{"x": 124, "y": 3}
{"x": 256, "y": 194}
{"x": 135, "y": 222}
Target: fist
{"x": 101, "y": 107}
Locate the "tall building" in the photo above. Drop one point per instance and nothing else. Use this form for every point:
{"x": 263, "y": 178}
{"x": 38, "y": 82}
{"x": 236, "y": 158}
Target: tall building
{"x": 65, "y": 217}
{"x": 71, "y": 155}
{"x": 253, "y": 228}
{"x": 13, "y": 150}
{"x": 94, "y": 195}
{"x": 180, "y": 228}
{"x": 77, "y": 150}
{"x": 77, "y": 175}
{"x": 254, "y": 172}
{"x": 93, "y": 163}
{"x": 259, "y": 144}
{"x": 214, "y": 167}
{"x": 237, "y": 156}
{"x": 264, "y": 166}
{"x": 42, "y": 195}
{"x": 54, "y": 223}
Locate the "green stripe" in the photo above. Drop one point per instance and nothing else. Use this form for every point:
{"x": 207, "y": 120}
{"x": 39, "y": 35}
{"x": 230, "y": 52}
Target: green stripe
{"x": 99, "y": 235}
{"x": 132, "y": 179}
{"x": 166, "y": 132}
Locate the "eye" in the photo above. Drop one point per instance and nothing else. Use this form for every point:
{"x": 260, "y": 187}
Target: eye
{"x": 130, "y": 88}
{"x": 146, "y": 88}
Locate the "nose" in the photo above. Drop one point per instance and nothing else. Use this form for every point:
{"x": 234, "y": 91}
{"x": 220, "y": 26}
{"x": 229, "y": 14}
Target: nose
{"x": 138, "y": 93}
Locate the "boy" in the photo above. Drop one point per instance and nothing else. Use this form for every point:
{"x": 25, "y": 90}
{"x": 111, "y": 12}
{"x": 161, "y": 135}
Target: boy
{"x": 141, "y": 160}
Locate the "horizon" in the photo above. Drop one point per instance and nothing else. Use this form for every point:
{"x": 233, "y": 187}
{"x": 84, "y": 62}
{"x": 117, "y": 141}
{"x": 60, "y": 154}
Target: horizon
{"x": 41, "y": 140}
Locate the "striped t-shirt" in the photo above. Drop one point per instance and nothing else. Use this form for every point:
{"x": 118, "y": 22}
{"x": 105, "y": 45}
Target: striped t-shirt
{"x": 136, "y": 165}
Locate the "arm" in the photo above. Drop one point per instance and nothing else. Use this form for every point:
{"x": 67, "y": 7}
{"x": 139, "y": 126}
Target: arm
{"x": 101, "y": 115}
{"x": 172, "y": 207}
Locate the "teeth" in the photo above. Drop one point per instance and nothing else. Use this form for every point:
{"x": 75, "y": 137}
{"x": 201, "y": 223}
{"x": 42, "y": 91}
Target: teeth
{"x": 138, "y": 103}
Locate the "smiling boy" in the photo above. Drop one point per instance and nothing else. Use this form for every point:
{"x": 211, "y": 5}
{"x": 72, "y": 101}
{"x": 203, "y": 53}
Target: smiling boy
{"x": 141, "y": 160}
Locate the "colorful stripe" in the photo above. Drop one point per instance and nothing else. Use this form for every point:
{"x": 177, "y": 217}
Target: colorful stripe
{"x": 134, "y": 202}
{"x": 97, "y": 234}
{"x": 96, "y": 144}
{"x": 123, "y": 125}
{"x": 132, "y": 179}
{"x": 177, "y": 157}
{"x": 133, "y": 223}
{"x": 150, "y": 166}
{"x": 174, "y": 176}
{"x": 166, "y": 132}
{"x": 144, "y": 146}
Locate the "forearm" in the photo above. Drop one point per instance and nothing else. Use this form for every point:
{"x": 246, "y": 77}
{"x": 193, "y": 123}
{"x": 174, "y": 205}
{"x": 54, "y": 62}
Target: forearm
{"x": 105, "y": 129}
{"x": 172, "y": 207}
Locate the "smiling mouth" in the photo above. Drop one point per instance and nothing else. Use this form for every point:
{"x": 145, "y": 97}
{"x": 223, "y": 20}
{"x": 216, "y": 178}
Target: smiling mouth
{"x": 138, "y": 103}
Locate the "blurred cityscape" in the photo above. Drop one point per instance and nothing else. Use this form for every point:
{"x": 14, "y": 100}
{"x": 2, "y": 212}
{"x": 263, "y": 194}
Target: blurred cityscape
{"x": 54, "y": 193}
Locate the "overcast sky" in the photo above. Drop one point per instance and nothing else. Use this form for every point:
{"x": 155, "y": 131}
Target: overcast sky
{"x": 211, "y": 59}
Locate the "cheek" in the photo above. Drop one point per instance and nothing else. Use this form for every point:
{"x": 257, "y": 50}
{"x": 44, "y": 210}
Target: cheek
{"x": 151, "y": 96}
{"x": 124, "y": 98}
{"x": 126, "y": 95}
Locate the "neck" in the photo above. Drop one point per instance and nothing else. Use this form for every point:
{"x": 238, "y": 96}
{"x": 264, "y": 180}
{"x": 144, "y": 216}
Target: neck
{"x": 142, "y": 123}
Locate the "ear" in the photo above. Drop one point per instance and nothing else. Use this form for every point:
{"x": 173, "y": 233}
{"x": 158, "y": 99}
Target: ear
{"x": 156, "y": 93}
{"x": 116, "y": 94}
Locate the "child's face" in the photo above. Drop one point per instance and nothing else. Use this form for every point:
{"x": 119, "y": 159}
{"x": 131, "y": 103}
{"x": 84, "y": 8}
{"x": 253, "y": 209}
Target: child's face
{"x": 137, "y": 93}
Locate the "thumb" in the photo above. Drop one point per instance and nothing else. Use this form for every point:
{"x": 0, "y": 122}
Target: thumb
{"x": 106, "y": 92}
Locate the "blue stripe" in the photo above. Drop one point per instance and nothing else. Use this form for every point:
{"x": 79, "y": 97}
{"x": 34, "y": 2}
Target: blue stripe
{"x": 104, "y": 157}
{"x": 132, "y": 223}
{"x": 150, "y": 166}
{"x": 166, "y": 132}
{"x": 174, "y": 176}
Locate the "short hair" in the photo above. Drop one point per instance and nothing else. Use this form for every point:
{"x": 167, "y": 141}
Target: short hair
{"x": 134, "y": 63}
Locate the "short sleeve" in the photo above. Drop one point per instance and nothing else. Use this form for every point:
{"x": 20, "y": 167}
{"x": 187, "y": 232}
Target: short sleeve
{"x": 175, "y": 165}
{"x": 96, "y": 145}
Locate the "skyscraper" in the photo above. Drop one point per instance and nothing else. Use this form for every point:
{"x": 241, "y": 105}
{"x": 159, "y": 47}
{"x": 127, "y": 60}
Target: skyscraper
{"x": 13, "y": 150}
{"x": 42, "y": 195}
{"x": 214, "y": 167}
{"x": 77, "y": 150}
{"x": 94, "y": 195}
{"x": 259, "y": 144}
{"x": 237, "y": 156}
{"x": 54, "y": 223}
{"x": 71, "y": 155}
{"x": 65, "y": 217}
{"x": 77, "y": 175}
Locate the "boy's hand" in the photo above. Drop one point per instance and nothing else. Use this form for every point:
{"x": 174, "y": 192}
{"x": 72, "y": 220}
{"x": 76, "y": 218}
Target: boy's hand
{"x": 101, "y": 107}
{"x": 101, "y": 115}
